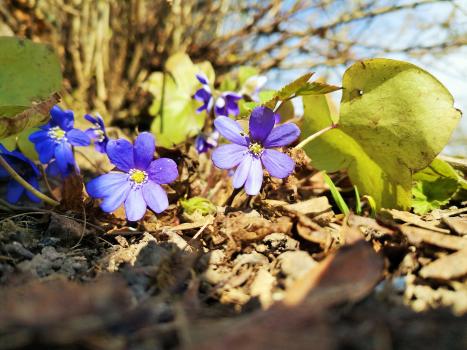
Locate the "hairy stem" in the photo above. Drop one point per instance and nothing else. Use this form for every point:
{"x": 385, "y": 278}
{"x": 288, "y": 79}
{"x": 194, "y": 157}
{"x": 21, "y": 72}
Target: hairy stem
{"x": 315, "y": 135}
{"x": 26, "y": 184}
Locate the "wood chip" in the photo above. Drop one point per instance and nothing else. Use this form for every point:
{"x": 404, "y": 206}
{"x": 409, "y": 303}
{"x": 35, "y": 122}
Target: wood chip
{"x": 448, "y": 267}
{"x": 313, "y": 206}
{"x": 415, "y": 220}
{"x": 417, "y": 235}
{"x": 458, "y": 225}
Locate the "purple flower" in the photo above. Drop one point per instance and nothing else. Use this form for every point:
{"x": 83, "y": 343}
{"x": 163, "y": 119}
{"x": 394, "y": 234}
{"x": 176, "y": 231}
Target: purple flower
{"x": 226, "y": 104}
{"x": 56, "y": 138}
{"x": 97, "y": 133}
{"x": 24, "y": 167}
{"x": 204, "y": 142}
{"x": 137, "y": 184}
{"x": 204, "y": 94}
{"x": 249, "y": 153}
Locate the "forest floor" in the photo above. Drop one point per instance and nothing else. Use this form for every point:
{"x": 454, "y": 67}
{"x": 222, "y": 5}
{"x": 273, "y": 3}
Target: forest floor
{"x": 280, "y": 270}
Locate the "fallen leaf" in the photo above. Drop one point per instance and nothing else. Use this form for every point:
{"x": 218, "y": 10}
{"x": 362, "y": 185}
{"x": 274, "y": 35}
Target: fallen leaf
{"x": 448, "y": 267}
{"x": 347, "y": 275}
{"x": 417, "y": 235}
{"x": 458, "y": 225}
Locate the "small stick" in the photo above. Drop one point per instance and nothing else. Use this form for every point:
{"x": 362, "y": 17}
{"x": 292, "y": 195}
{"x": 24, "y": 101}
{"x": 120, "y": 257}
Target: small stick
{"x": 26, "y": 184}
{"x": 46, "y": 181}
{"x": 315, "y": 135}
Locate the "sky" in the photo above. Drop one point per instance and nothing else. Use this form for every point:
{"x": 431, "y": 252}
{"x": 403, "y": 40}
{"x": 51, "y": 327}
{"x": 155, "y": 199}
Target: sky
{"x": 450, "y": 69}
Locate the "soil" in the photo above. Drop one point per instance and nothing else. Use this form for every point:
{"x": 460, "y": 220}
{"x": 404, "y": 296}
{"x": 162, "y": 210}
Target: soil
{"x": 281, "y": 270}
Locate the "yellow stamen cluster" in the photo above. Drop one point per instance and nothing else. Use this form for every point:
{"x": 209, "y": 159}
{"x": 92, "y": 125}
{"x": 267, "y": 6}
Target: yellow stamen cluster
{"x": 138, "y": 177}
{"x": 57, "y": 133}
{"x": 99, "y": 134}
{"x": 256, "y": 148}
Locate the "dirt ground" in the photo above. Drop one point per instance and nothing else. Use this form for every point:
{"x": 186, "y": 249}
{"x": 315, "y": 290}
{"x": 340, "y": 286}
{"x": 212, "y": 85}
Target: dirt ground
{"x": 281, "y": 270}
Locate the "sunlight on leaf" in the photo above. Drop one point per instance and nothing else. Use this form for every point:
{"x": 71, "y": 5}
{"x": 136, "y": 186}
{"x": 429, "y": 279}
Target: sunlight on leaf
{"x": 179, "y": 117}
{"x": 389, "y": 126}
{"x": 30, "y": 76}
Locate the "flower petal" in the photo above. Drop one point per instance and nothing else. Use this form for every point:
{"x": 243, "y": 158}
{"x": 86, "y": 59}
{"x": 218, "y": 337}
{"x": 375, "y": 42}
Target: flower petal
{"x": 45, "y": 150}
{"x": 39, "y": 136}
{"x": 219, "y": 107}
{"x": 135, "y": 206}
{"x": 78, "y": 138}
{"x": 91, "y": 133}
{"x": 64, "y": 157}
{"x": 282, "y": 135}
{"x": 241, "y": 173}
{"x": 255, "y": 177}
{"x": 203, "y": 94}
{"x": 228, "y": 156}
{"x": 64, "y": 119}
{"x": 90, "y": 118}
{"x": 278, "y": 164}
{"x": 202, "y": 78}
{"x": 143, "y": 150}
{"x": 118, "y": 196}
{"x": 120, "y": 153}
{"x": 155, "y": 197}
{"x": 162, "y": 171}
{"x": 231, "y": 130}
{"x": 14, "y": 192}
{"x": 261, "y": 123}
{"x": 105, "y": 185}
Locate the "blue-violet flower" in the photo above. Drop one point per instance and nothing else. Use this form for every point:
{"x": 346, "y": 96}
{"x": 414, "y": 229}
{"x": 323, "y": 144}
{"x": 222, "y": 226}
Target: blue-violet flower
{"x": 97, "y": 133}
{"x": 250, "y": 152}
{"x": 226, "y": 104}
{"x": 56, "y": 138}
{"x": 204, "y": 142}
{"x": 137, "y": 183}
{"x": 24, "y": 167}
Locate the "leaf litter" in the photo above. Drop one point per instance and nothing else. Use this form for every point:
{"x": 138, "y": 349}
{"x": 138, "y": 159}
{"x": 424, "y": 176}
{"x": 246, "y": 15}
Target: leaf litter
{"x": 278, "y": 270}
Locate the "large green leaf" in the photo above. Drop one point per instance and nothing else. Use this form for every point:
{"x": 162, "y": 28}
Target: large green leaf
{"x": 394, "y": 119}
{"x": 30, "y": 77}
{"x": 177, "y": 120}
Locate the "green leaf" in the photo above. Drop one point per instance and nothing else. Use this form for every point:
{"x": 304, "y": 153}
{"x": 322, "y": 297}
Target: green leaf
{"x": 30, "y": 77}
{"x": 336, "y": 195}
{"x": 435, "y": 186}
{"x": 358, "y": 203}
{"x": 25, "y": 146}
{"x": 9, "y": 143}
{"x": 372, "y": 204}
{"x": 394, "y": 119}
{"x": 316, "y": 88}
{"x": 289, "y": 90}
{"x": 228, "y": 84}
{"x": 203, "y": 205}
{"x": 429, "y": 195}
{"x": 178, "y": 119}
{"x": 245, "y": 72}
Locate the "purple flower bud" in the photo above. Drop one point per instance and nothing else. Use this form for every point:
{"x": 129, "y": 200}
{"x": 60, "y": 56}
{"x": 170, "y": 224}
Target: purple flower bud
{"x": 204, "y": 143}
{"x": 97, "y": 132}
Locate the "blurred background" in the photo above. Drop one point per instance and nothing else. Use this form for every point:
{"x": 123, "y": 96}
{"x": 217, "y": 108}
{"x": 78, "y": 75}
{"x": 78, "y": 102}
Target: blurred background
{"x": 108, "y": 48}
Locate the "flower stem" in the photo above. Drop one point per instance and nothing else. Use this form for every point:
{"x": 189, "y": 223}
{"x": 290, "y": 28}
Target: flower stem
{"x": 26, "y": 184}
{"x": 315, "y": 135}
